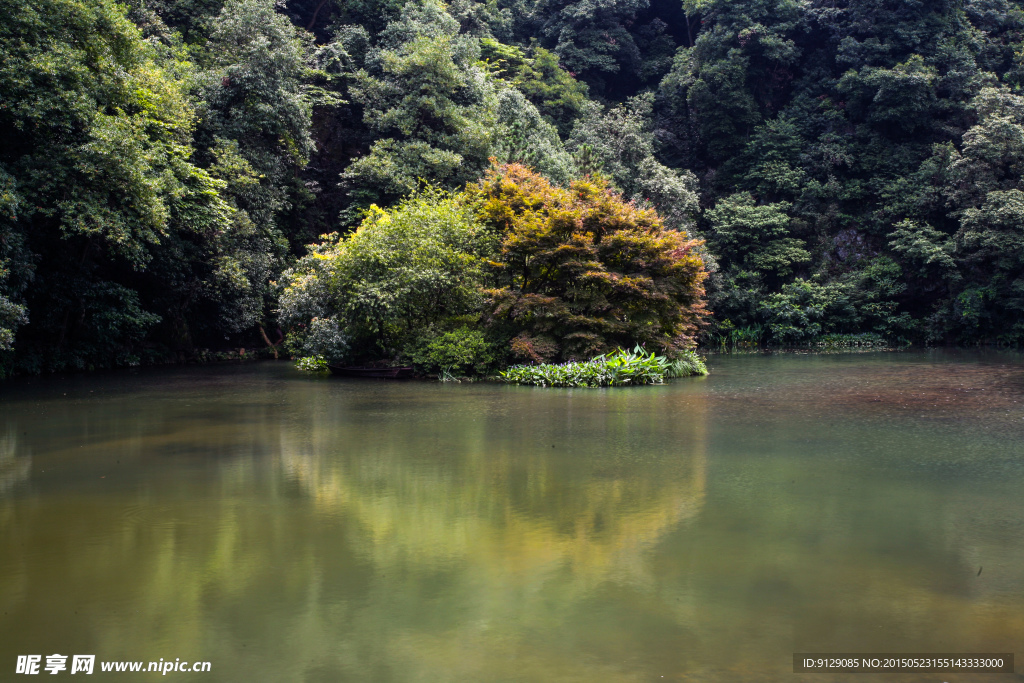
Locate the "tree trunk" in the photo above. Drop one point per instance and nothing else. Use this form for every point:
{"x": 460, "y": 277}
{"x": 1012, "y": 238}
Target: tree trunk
{"x": 315, "y": 13}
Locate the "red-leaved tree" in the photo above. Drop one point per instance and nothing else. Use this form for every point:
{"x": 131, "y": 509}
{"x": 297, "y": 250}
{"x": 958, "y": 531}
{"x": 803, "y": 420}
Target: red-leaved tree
{"x": 582, "y": 272}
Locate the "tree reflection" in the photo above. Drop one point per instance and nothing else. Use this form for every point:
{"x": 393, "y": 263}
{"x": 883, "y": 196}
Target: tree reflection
{"x": 303, "y": 530}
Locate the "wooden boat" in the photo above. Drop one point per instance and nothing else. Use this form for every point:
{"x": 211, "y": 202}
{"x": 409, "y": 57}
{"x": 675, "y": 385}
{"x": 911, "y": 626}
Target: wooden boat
{"x": 379, "y": 373}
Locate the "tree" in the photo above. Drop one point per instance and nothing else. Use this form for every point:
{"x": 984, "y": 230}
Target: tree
{"x": 405, "y": 273}
{"x": 536, "y": 73}
{"x": 97, "y": 179}
{"x": 253, "y": 93}
{"x": 12, "y": 314}
{"x": 428, "y": 101}
{"x": 162, "y": 162}
{"x": 615, "y": 47}
{"x": 141, "y": 222}
{"x": 755, "y": 237}
{"x": 253, "y": 137}
{"x": 962, "y": 237}
{"x": 528, "y": 139}
{"x": 581, "y": 271}
{"x": 623, "y": 146}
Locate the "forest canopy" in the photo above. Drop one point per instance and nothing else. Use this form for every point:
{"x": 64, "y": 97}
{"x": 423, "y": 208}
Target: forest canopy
{"x": 820, "y": 167}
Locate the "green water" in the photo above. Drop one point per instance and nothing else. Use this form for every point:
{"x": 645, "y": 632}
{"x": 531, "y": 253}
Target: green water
{"x": 287, "y": 528}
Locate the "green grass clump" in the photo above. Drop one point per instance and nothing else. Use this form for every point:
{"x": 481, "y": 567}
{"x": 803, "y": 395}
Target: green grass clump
{"x": 687, "y": 365}
{"x": 620, "y": 368}
{"x": 312, "y": 364}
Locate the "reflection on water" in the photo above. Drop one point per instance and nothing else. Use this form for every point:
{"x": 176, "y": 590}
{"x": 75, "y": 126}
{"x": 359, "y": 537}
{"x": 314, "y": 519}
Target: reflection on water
{"x": 287, "y": 528}
{"x": 14, "y": 468}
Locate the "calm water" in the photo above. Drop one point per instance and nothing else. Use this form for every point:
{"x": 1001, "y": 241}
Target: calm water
{"x": 287, "y": 528}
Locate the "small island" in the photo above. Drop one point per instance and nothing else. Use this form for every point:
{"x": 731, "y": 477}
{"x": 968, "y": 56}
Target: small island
{"x": 512, "y": 270}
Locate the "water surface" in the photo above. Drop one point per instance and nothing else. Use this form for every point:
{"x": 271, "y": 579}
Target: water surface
{"x": 288, "y": 528}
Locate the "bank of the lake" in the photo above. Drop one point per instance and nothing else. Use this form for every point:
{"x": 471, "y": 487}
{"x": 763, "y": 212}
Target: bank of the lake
{"x": 287, "y": 528}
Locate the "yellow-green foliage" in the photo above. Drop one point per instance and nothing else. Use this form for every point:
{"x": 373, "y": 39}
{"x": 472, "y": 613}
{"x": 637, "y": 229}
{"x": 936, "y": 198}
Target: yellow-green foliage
{"x": 582, "y": 272}
{"x": 404, "y": 270}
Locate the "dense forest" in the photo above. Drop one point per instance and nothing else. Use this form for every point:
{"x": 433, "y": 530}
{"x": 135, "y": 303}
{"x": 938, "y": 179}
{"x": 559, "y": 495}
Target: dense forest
{"x": 485, "y": 182}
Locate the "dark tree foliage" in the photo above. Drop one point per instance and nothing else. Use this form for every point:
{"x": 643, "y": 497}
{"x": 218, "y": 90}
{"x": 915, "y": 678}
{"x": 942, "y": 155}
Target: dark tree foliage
{"x": 98, "y": 186}
{"x": 833, "y": 137}
{"x": 852, "y": 167}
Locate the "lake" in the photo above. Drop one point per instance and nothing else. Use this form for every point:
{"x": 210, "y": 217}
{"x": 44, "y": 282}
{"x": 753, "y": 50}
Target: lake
{"x": 293, "y": 528}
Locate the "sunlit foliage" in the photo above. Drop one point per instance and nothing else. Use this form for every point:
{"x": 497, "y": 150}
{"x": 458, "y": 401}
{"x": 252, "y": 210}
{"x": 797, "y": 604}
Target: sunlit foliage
{"x": 581, "y": 271}
{"x": 404, "y": 273}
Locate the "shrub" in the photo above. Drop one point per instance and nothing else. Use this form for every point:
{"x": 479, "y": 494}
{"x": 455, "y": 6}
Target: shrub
{"x": 404, "y": 270}
{"x": 458, "y": 352}
{"x": 323, "y": 338}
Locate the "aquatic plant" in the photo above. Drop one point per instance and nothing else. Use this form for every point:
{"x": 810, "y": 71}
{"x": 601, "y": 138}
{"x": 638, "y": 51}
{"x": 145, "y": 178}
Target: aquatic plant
{"x": 313, "y": 364}
{"x": 687, "y": 364}
{"x": 619, "y": 368}
{"x": 445, "y": 375}
{"x": 753, "y": 337}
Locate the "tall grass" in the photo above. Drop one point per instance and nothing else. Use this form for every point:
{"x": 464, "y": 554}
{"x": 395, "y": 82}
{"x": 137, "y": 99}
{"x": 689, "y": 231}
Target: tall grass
{"x": 687, "y": 365}
{"x": 619, "y": 368}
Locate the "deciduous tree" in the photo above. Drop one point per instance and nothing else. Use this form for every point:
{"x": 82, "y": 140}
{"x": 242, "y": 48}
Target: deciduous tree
{"x": 581, "y": 271}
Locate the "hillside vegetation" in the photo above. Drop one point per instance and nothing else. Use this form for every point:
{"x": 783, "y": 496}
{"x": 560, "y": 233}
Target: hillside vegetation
{"x": 504, "y": 181}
